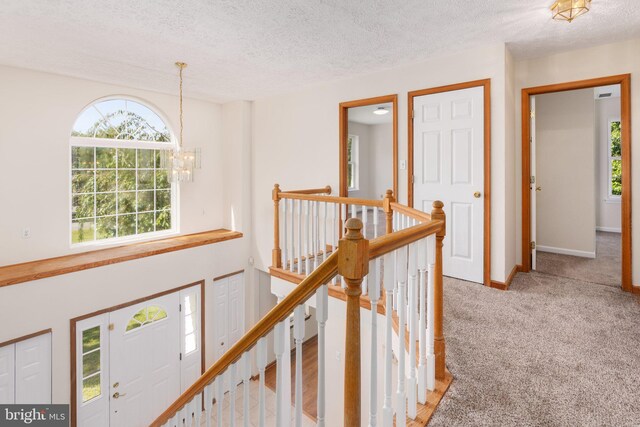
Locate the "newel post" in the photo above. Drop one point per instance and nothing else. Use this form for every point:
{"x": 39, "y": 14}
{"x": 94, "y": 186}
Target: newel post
{"x": 386, "y": 206}
{"x": 353, "y": 265}
{"x": 276, "y": 254}
{"x": 439, "y": 345}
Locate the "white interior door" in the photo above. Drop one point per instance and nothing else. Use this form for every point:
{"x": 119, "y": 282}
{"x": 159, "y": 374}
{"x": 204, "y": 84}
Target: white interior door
{"x": 532, "y": 179}
{"x": 144, "y": 360}
{"x": 190, "y": 310}
{"x": 448, "y": 135}
{"x": 33, "y": 370}
{"x": 7, "y": 374}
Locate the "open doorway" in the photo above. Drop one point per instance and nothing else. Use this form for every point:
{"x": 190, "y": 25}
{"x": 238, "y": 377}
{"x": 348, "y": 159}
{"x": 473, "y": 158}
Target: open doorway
{"x": 576, "y": 170}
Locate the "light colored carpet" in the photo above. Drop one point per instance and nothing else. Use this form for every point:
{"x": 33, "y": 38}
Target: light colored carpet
{"x": 551, "y": 351}
{"x": 605, "y": 268}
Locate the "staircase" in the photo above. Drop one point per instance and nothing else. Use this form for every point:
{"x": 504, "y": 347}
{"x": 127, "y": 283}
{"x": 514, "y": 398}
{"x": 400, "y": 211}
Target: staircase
{"x": 321, "y": 249}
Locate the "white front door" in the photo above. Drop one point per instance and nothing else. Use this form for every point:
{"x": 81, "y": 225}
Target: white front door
{"x": 144, "y": 360}
{"x": 448, "y": 135}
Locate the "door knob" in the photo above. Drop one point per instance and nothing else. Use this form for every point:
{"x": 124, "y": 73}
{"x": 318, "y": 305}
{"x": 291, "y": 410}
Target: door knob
{"x": 477, "y": 194}
{"x": 117, "y": 395}
{"x": 538, "y": 188}
{"x": 222, "y": 343}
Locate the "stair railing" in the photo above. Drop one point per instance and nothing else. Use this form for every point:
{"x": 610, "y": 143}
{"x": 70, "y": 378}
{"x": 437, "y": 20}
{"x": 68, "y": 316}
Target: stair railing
{"x": 410, "y": 253}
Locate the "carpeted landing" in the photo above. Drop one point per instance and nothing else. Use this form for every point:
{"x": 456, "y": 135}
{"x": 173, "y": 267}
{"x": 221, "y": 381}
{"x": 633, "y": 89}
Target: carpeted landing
{"x": 551, "y": 351}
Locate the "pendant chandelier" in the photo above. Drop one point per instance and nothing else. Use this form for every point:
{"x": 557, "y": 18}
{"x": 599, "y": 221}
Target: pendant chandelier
{"x": 181, "y": 162}
{"x": 568, "y": 10}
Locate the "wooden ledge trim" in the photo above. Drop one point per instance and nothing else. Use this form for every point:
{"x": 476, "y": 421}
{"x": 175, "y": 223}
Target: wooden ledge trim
{"x": 505, "y": 286}
{"x": 34, "y": 270}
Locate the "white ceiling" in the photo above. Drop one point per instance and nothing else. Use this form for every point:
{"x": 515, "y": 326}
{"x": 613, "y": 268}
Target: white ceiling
{"x": 244, "y": 49}
{"x": 365, "y": 114}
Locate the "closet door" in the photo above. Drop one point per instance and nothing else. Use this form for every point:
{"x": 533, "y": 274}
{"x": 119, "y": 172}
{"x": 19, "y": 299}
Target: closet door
{"x": 33, "y": 370}
{"x": 221, "y": 317}
{"x": 236, "y": 302}
{"x": 7, "y": 374}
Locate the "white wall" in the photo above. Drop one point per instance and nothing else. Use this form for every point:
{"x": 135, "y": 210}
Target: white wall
{"x": 381, "y": 160}
{"x": 597, "y": 61}
{"x": 38, "y": 111}
{"x": 296, "y": 137}
{"x": 364, "y": 152}
{"x": 565, "y": 170}
{"x": 608, "y": 212}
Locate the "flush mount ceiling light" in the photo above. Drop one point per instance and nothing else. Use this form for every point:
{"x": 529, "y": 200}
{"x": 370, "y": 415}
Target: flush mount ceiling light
{"x": 380, "y": 111}
{"x": 568, "y": 10}
{"x": 180, "y": 162}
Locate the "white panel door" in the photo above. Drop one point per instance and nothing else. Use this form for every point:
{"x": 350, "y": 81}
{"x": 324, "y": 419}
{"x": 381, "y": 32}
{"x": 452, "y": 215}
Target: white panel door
{"x": 221, "y": 317}
{"x": 190, "y": 312}
{"x": 448, "y": 135}
{"x": 33, "y": 370}
{"x": 7, "y": 374}
{"x": 236, "y": 302}
{"x": 144, "y": 360}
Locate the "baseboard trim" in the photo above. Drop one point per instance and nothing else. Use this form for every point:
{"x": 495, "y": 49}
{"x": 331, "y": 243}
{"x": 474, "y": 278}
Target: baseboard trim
{"x": 563, "y": 251}
{"x": 505, "y": 286}
{"x": 635, "y": 289}
{"x": 610, "y": 229}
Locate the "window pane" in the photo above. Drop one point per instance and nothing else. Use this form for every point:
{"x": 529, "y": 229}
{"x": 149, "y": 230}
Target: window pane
{"x": 82, "y": 231}
{"x": 190, "y": 304}
{"x": 126, "y": 225}
{"x": 105, "y": 181}
{"x": 163, "y": 220}
{"x": 82, "y": 181}
{"x": 162, "y": 180}
{"x": 90, "y": 339}
{"x": 91, "y": 388}
{"x": 127, "y": 202}
{"x": 145, "y": 201}
{"x": 350, "y": 177}
{"x": 145, "y": 222}
{"x": 82, "y": 206}
{"x": 146, "y": 159}
{"x": 155, "y": 313}
{"x": 105, "y": 157}
{"x": 616, "y": 177}
{"x": 616, "y": 150}
{"x": 163, "y": 199}
{"x": 106, "y": 204}
{"x": 145, "y": 180}
{"x": 82, "y": 157}
{"x": 126, "y": 180}
{"x": 106, "y": 227}
{"x": 126, "y": 158}
{"x": 90, "y": 363}
{"x": 190, "y": 343}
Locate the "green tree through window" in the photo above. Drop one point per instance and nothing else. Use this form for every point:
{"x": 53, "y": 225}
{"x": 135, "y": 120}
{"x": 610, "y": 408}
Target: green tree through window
{"x": 615, "y": 159}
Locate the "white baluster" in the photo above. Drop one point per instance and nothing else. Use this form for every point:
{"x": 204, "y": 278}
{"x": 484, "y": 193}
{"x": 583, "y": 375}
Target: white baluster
{"x": 401, "y": 396}
{"x": 190, "y": 412}
{"x": 283, "y": 372}
{"x": 375, "y": 222}
{"x": 316, "y": 234}
{"x": 324, "y": 233}
{"x": 307, "y": 246}
{"x": 374, "y": 292}
{"x": 233, "y": 385}
{"x": 208, "y": 403}
{"x": 322, "y": 301}
{"x": 246, "y": 377}
{"x": 422, "y": 364}
{"x": 197, "y": 410}
{"x": 342, "y": 225}
{"x": 292, "y": 252}
{"x": 285, "y": 258}
{"x": 279, "y": 350}
{"x": 298, "y": 336}
{"x": 300, "y": 220}
{"x": 335, "y": 235}
{"x": 412, "y": 398}
{"x": 261, "y": 361}
{"x": 365, "y": 280}
{"x": 354, "y": 211}
{"x": 173, "y": 421}
{"x": 182, "y": 415}
{"x": 431, "y": 358}
{"x": 219, "y": 397}
{"x": 387, "y": 409}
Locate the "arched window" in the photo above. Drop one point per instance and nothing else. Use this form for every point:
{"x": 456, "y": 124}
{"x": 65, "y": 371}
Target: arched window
{"x": 147, "y": 315}
{"x": 118, "y": 188}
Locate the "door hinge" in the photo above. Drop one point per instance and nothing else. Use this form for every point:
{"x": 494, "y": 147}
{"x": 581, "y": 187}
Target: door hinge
{"x": 111, "y": 326}
{"x": 532, "y": 114}
{"x": 532, "y": 245}
{"x": 180, "y": 356}
{"x": 412, "y": 114}
{"x": 180, "y": 307}
{"x": 532, "y": 179}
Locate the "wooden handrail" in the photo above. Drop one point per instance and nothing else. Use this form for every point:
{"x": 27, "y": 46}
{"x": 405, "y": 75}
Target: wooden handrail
{"x": 325, "y": 190}
{"x": 323, "y": 274}
{"x": 411, "y": 212}
{"x": 332, "y": 199}
{"x": 390, "y": 242}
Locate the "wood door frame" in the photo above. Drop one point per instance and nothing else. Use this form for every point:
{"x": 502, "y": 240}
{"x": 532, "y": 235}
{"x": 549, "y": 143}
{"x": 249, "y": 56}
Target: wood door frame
{"x": 624, "y": 80}
{"x": 486, "y": 84}
{"x": 344, "y": 134}
{"x": 73, "y": 322}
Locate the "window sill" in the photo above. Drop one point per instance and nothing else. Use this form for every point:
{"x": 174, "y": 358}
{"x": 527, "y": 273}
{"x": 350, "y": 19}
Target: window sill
{"x": 34, "y": 270}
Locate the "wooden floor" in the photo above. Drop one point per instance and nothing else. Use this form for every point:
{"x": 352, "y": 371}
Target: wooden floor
{"x": 309, "y": 377}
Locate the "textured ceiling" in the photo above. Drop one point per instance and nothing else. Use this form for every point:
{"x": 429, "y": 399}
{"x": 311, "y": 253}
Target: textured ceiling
{"x": 245, "y": 49}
